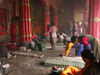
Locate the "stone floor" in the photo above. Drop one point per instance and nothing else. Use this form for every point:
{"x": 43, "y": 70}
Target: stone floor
{"x": 22, "y": 65}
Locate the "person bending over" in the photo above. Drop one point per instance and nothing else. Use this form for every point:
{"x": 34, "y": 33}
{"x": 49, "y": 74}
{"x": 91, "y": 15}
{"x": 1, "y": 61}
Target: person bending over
{"x": 69, "y": 46}
{"x": 89, "y": 42}
{"x": 79, "y": 48}
{"x": 81, "y": 40}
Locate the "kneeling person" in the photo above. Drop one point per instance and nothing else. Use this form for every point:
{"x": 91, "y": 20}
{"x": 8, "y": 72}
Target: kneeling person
{"x": 78, "y": 50}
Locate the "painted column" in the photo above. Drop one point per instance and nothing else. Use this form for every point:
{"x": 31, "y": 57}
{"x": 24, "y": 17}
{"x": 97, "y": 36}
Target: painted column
{"x": 86, "y": 14}
{"x": 25, "y": 21}
{"x": 14, "y": 8}
{"x": 46, "y": 22}
{"x": 55, "y": 18}
{"x": 94, "y": 18}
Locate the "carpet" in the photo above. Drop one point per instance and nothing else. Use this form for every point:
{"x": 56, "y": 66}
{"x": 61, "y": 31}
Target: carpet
{"x": 63, "y": 63}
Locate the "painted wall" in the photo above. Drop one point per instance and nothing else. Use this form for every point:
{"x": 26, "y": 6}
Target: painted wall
{"x": 36, "y": 17}
{"x": 5, "y": 18}
{"x": 64, "y": 18}
{"x": 79, "y": 14}
{"x": 78, "y": 11}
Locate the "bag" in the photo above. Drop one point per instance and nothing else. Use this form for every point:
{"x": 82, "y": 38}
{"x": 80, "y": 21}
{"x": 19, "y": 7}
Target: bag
{"x": 32, "y": 45}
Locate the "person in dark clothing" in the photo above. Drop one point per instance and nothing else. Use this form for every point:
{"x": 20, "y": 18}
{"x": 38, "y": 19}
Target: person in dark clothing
{"x": 74, "y": 28}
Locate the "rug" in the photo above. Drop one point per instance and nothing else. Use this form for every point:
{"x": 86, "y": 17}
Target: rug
{"x": 63, "y": 63}
{"x": 72, "y": 55}
{"x": 27, "y": 54}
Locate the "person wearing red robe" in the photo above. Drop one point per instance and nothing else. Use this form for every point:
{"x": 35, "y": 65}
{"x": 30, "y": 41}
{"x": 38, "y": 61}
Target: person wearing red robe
{"x": 13, "y": 28}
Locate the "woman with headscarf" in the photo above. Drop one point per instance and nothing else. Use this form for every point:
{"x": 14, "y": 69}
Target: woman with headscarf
{"x": 89, "y": 42}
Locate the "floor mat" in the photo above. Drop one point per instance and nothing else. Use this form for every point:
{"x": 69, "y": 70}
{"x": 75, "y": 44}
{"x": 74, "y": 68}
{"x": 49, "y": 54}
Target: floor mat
{"x": 63, "y": 63}
{"x": 27, "y": 54}
{"x": 72, "y": 55}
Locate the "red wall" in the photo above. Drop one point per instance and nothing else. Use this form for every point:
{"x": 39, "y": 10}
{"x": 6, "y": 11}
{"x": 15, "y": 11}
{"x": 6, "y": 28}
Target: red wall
{"x": 77, "y": 7}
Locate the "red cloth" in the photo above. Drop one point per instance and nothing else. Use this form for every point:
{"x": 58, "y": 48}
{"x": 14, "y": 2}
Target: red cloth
{"x": 11, "y": 47}
{"x": 13, "y": 27}
{"x": 34, "y": 37}
{"x": 83, "y": 41}
{"x": 50, "y": 29}
{"x": 13, "y": 32}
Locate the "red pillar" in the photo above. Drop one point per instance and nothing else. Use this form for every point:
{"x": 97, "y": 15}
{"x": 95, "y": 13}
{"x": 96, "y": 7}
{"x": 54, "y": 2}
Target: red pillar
{"x": 94, "y": 18}
{"x": 25, "y": 21}
{"x": 14, "y": 8}
{"x": 46, "y": 22}
{"x": 86, "y": 13}
{"x": 55, "y": 18}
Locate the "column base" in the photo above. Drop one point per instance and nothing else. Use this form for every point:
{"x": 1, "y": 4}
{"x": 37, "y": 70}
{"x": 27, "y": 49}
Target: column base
{"x": 47, "y": 38}
{"x": 25, "y": 44}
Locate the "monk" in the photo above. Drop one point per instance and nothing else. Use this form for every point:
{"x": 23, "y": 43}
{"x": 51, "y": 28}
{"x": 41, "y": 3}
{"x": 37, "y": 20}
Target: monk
{"x": 14, "y": 30}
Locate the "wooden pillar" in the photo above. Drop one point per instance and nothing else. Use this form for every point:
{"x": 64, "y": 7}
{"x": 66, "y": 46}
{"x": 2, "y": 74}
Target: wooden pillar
{"x": 55, "y": 18}
{"x": 94, "y": 18}
{"x": 46, "y": 22}
{"x": 25, "y": 21}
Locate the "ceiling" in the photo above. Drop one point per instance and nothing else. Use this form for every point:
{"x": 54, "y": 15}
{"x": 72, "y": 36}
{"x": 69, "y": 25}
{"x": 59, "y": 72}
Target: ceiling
{"x": 66, "y": 1}
{"x": 82, "y": 2}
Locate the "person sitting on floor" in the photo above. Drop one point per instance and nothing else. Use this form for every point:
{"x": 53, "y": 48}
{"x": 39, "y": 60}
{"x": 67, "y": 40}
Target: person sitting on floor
{"x": 60, "y": 38}
{"x": 34, "y": 37}
{"x": 39, "y": 39}
{"x": 91, "y": 66}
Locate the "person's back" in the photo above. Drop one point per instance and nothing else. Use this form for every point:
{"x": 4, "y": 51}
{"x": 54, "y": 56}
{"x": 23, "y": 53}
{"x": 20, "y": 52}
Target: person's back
{"x": 54, "y": 29}
{"x": 95, "y": 46}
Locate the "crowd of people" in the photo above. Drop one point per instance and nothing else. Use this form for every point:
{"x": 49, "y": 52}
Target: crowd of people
{"x": 86, "y": 46}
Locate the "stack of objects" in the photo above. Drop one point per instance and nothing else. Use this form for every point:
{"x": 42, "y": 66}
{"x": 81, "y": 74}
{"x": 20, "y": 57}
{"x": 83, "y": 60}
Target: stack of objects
{"x": 27, "y": 54}
{"x": 40, "y": 46}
